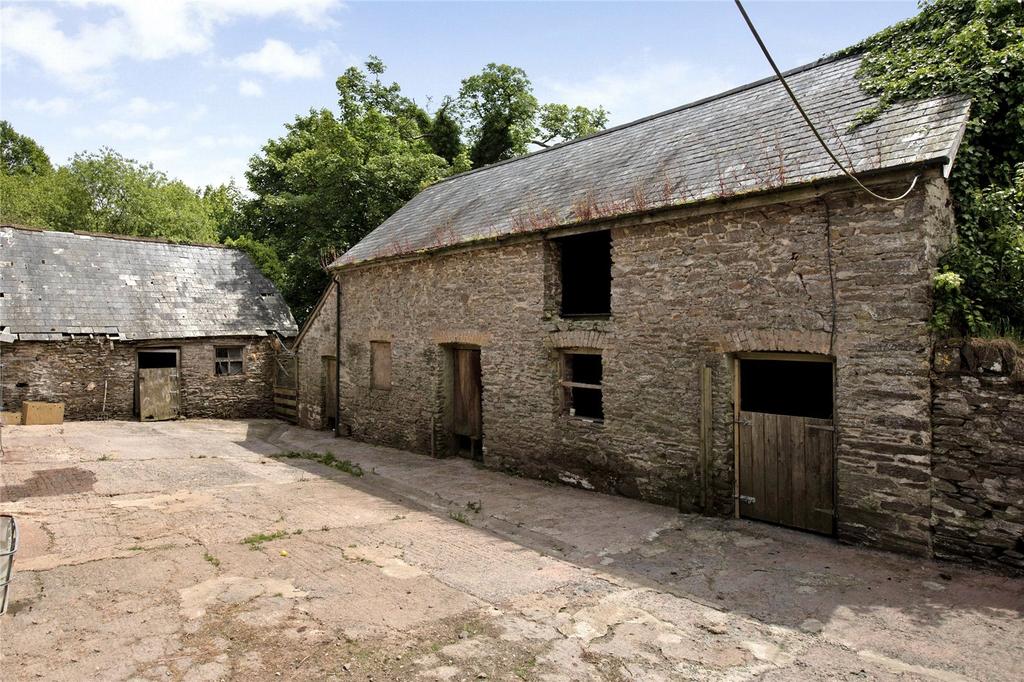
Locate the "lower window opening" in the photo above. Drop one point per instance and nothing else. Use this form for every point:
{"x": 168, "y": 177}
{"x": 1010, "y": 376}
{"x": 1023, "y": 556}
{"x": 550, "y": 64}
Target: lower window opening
{"x": 582, "y": 376}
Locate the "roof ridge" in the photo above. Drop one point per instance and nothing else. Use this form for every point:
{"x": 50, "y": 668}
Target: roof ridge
{"x": 629, "y": 124}
{"x": 121, "y": 237}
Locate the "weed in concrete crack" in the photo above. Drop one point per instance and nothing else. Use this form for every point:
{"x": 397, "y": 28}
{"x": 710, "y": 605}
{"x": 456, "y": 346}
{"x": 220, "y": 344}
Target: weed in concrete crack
{"x": 475, "y": 507}
{"x": 136, "y": 548}
{"x": 256, "y": 540}
{"x": 458, "y": 516}
{"x": 325, "y": 458}
{"x": 103, "y": 458}
{"x": 212, "y": 559}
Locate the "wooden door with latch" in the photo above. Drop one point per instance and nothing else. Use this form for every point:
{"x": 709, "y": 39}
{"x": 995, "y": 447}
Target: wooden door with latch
{"x": 786, "y": 443}
{"x": 158, "y": 393}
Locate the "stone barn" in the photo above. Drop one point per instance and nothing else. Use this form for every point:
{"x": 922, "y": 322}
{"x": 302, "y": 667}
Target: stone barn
{"x": 697, "y": 309}
{"x": 125, "y": 327}
{"x": 316, "y": 356}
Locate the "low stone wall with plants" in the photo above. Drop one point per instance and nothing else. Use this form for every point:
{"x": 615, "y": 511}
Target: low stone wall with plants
{"x": 978, "y": 455}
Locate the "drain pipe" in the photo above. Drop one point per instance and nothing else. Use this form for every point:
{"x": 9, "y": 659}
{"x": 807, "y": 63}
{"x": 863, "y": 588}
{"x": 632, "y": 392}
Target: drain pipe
{"x": 337, "y": 356}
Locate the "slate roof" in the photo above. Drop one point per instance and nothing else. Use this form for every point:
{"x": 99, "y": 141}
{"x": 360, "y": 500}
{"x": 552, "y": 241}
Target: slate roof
{"x": 58, "y": 283}
{"x": 746, "y": 140}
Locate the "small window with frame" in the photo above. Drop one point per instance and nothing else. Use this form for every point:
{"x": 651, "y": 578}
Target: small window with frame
{"x": 229, "y": 360}
{"x": 380, "y": 365}
{"x": 582, "y": 379}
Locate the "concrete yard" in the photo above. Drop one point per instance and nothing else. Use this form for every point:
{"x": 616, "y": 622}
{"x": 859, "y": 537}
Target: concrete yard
{"x": 186, "y": 550}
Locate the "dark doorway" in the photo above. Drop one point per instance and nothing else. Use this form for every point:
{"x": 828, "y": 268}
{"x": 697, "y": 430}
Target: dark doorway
{"x": 330, "y": 397}
{"x": 786, "y": 440}
{"x": 467, "y": 405}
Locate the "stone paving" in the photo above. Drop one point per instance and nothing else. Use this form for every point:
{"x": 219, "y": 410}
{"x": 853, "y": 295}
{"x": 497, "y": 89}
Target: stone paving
{"x": 187, "y": 550}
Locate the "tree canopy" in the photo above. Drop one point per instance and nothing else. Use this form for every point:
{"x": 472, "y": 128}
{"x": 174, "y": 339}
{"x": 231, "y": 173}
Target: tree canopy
{"x": 975, "y": 47}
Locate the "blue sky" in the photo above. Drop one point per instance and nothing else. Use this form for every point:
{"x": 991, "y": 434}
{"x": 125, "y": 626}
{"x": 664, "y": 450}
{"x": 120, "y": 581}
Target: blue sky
{"x": 197, "y": 86}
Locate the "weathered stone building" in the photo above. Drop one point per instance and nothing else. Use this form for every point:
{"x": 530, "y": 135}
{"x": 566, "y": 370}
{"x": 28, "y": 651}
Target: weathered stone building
{"x": 118, "y": 327}
{"x": 316, "y": 348}
{"x": 697, "y": 309}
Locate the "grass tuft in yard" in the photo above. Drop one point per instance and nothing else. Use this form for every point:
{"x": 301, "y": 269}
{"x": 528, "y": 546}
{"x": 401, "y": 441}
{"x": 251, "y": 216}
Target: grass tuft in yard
{"x": 256, "y": 540}
{"x": 325, "y": 458}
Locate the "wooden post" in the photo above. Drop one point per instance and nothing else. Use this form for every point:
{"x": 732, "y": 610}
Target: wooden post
{"x": 706, "y": 416}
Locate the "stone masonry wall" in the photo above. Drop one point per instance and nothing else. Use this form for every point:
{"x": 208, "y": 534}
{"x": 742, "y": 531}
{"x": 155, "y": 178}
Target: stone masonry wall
{"x": 318, "y": 342}
{"x": 686, "y": 292}
{"x": 75, "y": 371}
{"x": 978, "y": 462}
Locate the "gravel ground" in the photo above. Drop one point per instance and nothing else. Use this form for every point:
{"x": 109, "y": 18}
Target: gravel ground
{"x": 192, "y": 550}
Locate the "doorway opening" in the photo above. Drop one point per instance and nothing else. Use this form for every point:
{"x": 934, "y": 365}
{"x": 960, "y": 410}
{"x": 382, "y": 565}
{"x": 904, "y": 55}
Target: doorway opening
{"x": 785, "y": 439}
{"x": 466, "y": 403}
{"x": 157, "y": 390}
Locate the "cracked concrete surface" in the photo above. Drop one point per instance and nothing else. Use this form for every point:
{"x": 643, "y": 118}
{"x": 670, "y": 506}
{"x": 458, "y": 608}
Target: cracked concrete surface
{"x": 133, "y": 566}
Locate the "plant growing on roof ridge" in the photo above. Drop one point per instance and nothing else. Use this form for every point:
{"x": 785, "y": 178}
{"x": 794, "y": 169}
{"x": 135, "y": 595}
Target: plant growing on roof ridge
{"x": 975, "y": 48}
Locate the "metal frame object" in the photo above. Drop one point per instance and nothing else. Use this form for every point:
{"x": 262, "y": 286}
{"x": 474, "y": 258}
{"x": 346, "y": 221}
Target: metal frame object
{"x": 10, "y": 548}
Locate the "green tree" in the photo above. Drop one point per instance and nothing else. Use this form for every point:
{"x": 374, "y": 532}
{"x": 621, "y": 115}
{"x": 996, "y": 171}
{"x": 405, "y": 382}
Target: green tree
{"x": 975, "y": 47}
{"x": 332, "y": 178}
{"x": 502, "y": 117}
{"x": 20, "y": 154}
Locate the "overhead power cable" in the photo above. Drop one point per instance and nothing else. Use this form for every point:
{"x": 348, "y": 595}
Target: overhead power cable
{"x": 807, "y": 118}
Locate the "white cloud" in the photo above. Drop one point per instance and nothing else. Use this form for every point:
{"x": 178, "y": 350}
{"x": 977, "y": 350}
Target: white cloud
{"x": 118, "y": 130}
{"x": 249, "y": 88}
{"x": 136, "y": 29}
{"x": 277, "y": 58}
{"x": 636, "y": 90}
{"x": 224, "y": 141}
{"x": 140, "y": 106}
{"x": 55, "y": 106}
{"x": 198, "y": 113}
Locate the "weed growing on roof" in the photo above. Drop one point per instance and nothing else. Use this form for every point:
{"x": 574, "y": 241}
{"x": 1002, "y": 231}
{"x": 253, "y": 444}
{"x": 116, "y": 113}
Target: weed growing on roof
{"x": 325, "y": 458}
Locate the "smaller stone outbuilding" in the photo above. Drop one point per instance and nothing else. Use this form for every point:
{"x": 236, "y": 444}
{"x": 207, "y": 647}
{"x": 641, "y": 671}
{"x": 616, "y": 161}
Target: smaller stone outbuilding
{"x": 316, "y": 356}
{"x": 121, "y": 327}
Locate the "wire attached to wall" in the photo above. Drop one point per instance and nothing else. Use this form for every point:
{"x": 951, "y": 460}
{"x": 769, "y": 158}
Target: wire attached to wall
{"x": 814, "y": 129}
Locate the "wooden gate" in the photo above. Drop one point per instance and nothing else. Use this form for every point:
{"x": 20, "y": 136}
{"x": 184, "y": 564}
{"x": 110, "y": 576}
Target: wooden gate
{"x": 466, "y": 397}
{"x": 159, "y": 398}
{"x": 786, "y": 470}
{"x": 330, "y": 397}
{"x": 286, "y": 391}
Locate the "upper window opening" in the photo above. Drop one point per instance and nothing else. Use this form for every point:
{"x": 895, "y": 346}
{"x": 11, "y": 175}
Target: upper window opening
{"x": 229, "y": 361}
{"x": 380, "y": 364}
{"x": 795, "y": 388}
{"x": 157, "y": 359}
{"x": 586, "y": 269}
{"x": 582, "y": 377}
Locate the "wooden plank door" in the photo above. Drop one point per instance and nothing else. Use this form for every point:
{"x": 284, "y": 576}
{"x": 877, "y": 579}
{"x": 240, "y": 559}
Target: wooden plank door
{"x": 330, "y": 384}
{"x": 158, "y": 394}
{"x": 786, "y": 472}
{"x": 466, "y": 394}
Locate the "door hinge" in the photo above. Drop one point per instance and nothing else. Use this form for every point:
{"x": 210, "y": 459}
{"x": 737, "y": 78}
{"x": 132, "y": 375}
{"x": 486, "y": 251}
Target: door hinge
{"x": 746, "y": 499}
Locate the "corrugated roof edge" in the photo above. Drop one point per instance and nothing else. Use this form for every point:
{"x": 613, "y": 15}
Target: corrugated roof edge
{"x": 122, "y": 237}
{"x": 651, "y": 117}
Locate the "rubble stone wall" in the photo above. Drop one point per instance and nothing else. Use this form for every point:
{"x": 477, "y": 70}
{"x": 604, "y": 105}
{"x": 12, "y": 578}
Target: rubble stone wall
{"x": 686, "y": 292}
{"x": 318, "y": 342}
{"x": 95, "y": 378}
{"x": 978, "y": 458}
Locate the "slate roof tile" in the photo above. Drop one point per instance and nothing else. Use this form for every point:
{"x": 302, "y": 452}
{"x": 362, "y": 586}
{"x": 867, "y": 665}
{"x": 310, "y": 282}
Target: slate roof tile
{"x": 56, "y": 283}
{"x": 745, "y": 140}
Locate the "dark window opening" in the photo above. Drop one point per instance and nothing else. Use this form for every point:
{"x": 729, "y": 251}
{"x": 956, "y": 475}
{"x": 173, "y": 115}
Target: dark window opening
{"x": 582, "y": 374}
{"x": 228, "y": 361}
{"x": 787, "y": 387}
{"x": 155, "y": 360}
{"x": 586, "y": 269}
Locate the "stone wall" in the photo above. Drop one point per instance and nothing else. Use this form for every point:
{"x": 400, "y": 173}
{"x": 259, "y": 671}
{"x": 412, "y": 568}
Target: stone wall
{"x": 318, "y": 341}
{"x": 78, "y": 371}
{"x": 686, "y": 293}
{"x": 978, "y": 461}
